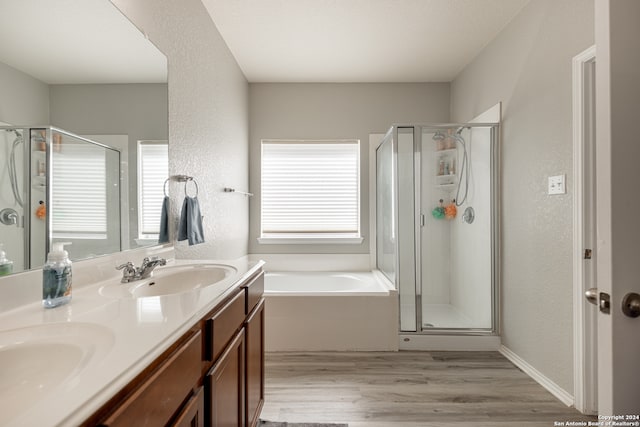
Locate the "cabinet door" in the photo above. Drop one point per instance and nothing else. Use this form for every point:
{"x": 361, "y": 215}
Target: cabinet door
{"x": 254, "y": 291}
{"x": 225, "y": 386}
{"x": 222, "y": 327}
{"x": 156, "y": 401}
{"x": 254, "y": 332}
{"x": 193, "y": 413}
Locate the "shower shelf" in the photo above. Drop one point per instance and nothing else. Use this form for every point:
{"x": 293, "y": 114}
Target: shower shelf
{"x": 445, "y": 168}
{"x": 447, "y": 151}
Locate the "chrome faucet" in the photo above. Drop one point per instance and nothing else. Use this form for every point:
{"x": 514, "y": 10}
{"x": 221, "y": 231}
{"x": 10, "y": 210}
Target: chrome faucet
{"x": 148, "y": 264}
{"x": 130, "y": 273}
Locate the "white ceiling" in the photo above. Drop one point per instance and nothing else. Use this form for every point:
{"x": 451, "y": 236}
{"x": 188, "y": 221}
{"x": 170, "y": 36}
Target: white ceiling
{"x": 76, "y": 41}
{"x": 358, "y": 40}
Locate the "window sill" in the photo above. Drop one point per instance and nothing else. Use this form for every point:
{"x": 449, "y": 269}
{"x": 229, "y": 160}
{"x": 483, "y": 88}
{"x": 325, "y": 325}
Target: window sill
{"x": 310, "y": 240}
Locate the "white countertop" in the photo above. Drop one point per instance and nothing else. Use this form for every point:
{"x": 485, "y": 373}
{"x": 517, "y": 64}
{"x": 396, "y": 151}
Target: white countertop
{"x": 133, "y": 332}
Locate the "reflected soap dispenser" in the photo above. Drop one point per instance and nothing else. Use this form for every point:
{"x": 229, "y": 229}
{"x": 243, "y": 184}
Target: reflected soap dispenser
{"x": 6, "y": 266}
{"x": 56, "y": 277}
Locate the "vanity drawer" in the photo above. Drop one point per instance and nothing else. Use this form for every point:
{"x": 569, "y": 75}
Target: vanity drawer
{"x": 158, "y": 398}
{"x": 223, "y": 325}
{"x": 254, "y": 291}
{"x": 193, "y": 413}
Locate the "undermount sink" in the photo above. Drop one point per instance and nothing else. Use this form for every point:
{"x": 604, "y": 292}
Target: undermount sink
{"x": 170, "y": 280}
{"x": 37, "y": 360}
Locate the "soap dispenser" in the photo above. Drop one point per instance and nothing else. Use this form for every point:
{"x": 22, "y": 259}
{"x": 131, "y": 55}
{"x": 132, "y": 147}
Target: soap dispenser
{"x": 56, "y": 277}
{"x": 6, "y": 266}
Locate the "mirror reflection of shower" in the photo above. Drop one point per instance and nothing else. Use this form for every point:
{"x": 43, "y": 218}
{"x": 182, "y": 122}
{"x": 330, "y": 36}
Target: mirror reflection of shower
{"x": 13, "y": 170}
{"x": 43, "y": 199}
{"x": 12, "y": 196}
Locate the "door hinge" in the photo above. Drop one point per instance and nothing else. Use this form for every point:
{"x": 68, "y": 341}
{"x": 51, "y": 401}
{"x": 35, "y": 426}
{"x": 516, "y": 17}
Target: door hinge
{"x": 587, "y": 254}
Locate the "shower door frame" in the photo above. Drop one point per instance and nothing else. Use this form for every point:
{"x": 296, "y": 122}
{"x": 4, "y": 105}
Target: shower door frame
{"x": 494, "y": 330}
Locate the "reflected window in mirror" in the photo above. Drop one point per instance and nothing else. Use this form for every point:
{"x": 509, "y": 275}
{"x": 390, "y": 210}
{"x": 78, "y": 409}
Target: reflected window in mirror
{"x": 80, "y": 205}
{"x": 84, "y": 194}
{"x": 153, "y": 166}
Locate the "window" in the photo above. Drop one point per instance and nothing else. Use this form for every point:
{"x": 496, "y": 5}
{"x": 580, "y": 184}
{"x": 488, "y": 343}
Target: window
{"x": 310, "y": 191}
{"x": 79, "y": 191}
{"x": 153, "y": 170}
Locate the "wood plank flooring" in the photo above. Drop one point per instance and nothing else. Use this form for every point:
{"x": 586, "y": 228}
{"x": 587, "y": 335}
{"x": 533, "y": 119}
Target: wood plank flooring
{"x": 407, "y": 389}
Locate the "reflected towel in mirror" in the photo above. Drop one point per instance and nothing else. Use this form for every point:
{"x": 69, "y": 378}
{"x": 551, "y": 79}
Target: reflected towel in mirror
{"x": 163, "y": 236}
{"x": 190, "y": 226}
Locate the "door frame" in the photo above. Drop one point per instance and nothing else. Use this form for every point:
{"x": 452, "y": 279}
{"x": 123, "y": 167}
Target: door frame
{"x": 584, "y": 315}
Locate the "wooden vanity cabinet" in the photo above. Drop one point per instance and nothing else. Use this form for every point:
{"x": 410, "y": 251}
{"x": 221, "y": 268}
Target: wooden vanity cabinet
{"x": 155, "y": 401}
{"x": 193, "y": 413}
{"x": 225, "y": 386}
{"x": 254, "y": 373}
{"x": 212, "y": 376}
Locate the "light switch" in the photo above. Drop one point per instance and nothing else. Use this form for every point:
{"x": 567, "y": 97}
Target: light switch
{"x": 557, "y": 185}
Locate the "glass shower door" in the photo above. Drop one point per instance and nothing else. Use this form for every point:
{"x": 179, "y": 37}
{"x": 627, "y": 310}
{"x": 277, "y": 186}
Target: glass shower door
{"x": 457, "y": 194}
{"x": 395, "y": 241}
{"x": 385, "y": 211}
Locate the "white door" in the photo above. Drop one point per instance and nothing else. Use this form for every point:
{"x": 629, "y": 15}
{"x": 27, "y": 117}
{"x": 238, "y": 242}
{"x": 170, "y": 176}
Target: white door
{"x": 618, "y": 204}
{"x": 584, "y": 236}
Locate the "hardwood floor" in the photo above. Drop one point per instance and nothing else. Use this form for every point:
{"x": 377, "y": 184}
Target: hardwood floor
{"x": 407, "y": 389}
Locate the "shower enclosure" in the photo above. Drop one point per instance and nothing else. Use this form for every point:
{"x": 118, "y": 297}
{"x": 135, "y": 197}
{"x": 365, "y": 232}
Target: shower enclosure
{"x": 437, "y": 228}
{"x": 57, "y": 187}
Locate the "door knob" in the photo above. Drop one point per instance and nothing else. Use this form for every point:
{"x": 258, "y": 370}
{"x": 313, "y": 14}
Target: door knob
{"x": 601, "y": 299}
{"x": 592, "y": 295}
{"x": 631, "y": 304}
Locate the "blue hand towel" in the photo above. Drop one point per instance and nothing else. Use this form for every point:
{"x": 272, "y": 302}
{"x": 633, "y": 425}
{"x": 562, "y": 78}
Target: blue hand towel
{"x": 190, "y": 227}
{"x": 163, "y": 236}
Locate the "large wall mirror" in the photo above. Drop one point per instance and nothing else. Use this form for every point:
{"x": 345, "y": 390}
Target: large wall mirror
{"x": 79, "y": 75}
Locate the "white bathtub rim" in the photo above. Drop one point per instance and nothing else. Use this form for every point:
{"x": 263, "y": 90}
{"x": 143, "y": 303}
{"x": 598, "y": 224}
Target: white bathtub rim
{"x": 378, "y": 285}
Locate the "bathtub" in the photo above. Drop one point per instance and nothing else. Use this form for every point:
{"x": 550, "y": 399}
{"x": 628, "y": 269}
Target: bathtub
{"x": 324, "y": 284}
{"x": 330, "y": 311}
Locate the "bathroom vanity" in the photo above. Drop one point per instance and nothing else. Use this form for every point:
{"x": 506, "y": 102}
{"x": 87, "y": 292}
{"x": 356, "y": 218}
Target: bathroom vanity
{"x": 213, "y": 375}
{"x": 182, "y": 348}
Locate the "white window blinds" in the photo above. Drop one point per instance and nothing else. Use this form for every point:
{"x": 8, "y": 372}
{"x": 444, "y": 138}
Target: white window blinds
{"x": 310, "y": 187}
{"x": 153, "y": 169}
{"x": 79, "y": 193}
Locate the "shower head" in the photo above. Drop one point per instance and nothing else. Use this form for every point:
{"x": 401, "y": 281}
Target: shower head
{"x": 461, "y": 128}
{"x": 438, "y": 136}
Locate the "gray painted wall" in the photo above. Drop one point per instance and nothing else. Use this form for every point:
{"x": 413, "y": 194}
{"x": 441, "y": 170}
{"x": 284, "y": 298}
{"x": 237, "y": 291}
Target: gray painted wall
{"x": 136, "y": 110}
{"x": 208, "y": 119}
{"x": 528, "y": 68}
{"x": 334, "y": 111}
{"x": 24, "y": 100}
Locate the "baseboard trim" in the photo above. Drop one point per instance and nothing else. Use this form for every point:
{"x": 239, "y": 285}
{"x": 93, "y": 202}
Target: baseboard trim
{"x": 553, "y": 388}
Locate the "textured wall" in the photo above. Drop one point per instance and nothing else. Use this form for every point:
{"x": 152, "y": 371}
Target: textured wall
{"x": 208, "y": 119}
{"x": 528, "y": 68}
{"x": 334, "y": 111}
